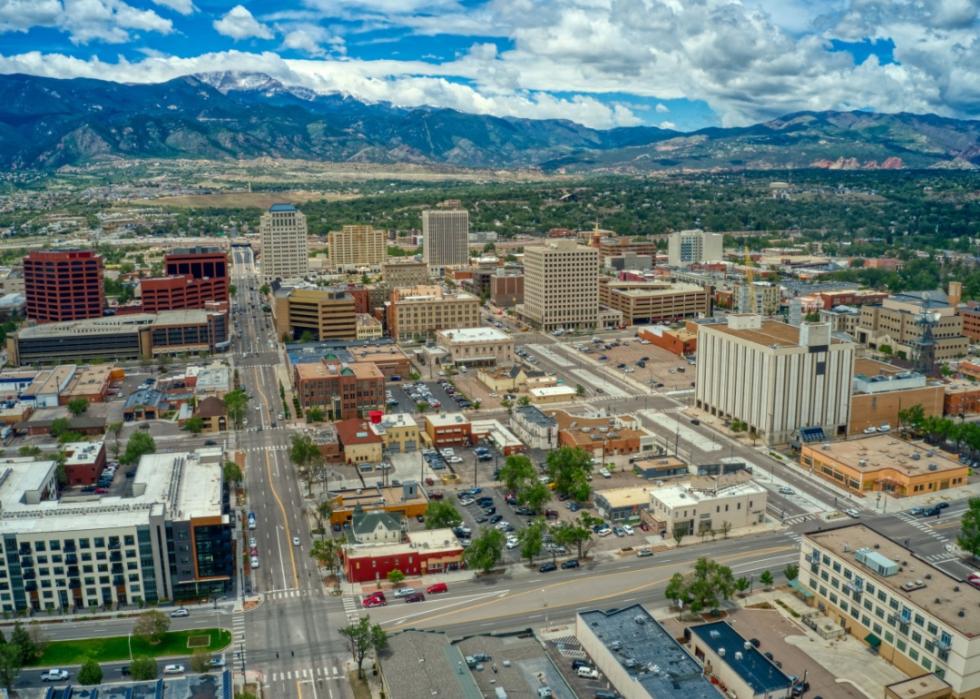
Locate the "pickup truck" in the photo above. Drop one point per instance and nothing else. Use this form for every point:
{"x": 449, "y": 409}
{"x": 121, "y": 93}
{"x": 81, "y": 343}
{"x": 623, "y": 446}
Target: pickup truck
{"x": 54, "y": 675}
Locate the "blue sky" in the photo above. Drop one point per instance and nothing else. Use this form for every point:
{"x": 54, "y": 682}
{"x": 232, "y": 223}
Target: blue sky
{"x": 681, "y": 64}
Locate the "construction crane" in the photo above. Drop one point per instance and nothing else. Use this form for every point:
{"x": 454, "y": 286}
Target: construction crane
{"x": 748, "y": 291}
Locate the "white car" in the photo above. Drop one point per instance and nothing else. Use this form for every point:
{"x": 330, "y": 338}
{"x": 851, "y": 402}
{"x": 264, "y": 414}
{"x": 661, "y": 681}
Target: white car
{"x": 512, "y": 543}
{"x": 54, "y": 675}
{"x": 252, "y": 543}
{"x": 175, "y": 669}
{"x": 786, "y": 490}
{"x": 605, "y": 531}
{"x": 502, "y": 524}
{"x": 604, "y": 472}
{"x": 853, "y": 513}
{"x": 455, "y": 460}
{"x": 404, "y": 591}
{"x": 179, "y": 612}
{"x": 466, "y": 502}
{"x": 254, "y": 561}
{"x": 629, "y": 530}
{"x": 295, "y": 541}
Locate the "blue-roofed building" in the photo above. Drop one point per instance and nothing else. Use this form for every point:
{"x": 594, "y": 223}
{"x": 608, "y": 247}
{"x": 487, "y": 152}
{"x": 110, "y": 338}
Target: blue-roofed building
{"x": 145, "y": 404}
{"x": 280, "y": 208}
{"x": 206, "y": 686}
{"x": 639, "y": 656}
{"x": 736, "y": 663}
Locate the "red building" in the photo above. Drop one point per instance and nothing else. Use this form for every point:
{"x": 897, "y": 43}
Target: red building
{"x": 362, "y": 298}
{"x": 971, "y": 320}
{"x": 831, "y": 299}
{"x": 425, "y": 552}
{"x": 448, "y": 430}
{"x": 195, "y": 276}
{"x": 84, "y": 462}
{"x": 63, "y": 285}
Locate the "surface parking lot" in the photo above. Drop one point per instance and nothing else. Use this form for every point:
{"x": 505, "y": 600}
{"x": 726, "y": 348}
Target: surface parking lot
{"x": 662, "y": 367}
{"x": 403, "y": 401}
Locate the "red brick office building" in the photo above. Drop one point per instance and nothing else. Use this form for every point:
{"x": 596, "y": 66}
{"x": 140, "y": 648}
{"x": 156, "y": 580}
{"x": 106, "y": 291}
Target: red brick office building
{"x": 63, "y": 285}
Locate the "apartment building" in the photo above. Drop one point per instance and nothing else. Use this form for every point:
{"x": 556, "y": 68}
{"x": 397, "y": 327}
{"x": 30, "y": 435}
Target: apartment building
{"x": 883, "y": 463}
{"x": 357, "y": 247}
{"x": 398, "y": 273}
{"x": 418, "y": 312}
{"x": 445, "y": 237}
{"x": 561, "y": 286}
{"x": 170, "y": 539}
{"x": 646, "y": 302}
{"x": 477, "y": 346}
{"x": 61, "y": 285}
{"x": 907, "y": 611}
{"x": 897, "y": 324}
{"x": 708, "y": 504}
{"x": 285, "y": 248}
{"x": 775, "y": 377}
{"x": 762, "y": 298}
{"x": 325, "y": 314}
{"x": 693, "y": 247}
{"x": 343, "y": 390}
{"x": 842, "y": 319}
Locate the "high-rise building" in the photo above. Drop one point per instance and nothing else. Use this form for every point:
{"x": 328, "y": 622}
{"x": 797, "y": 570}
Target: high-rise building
{"x": 561, "y": 285}
{"x": 398, "y": 272}
{"x": 445, "y": 237}
{"x": 693, "y": 247}
{"x": 63, "y": 285}
{"x": 353, "y": 247}
{"x": 285, "y": 249}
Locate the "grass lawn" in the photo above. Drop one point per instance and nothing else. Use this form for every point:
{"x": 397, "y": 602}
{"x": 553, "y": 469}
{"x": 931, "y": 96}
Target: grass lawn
{"x": 115, "y": 648}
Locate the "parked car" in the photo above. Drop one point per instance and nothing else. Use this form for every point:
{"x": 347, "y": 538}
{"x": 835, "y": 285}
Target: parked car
{"x": 174, "y": 669}
{"x": 786, "y": 490}
{"x": 547, "y": 567}
{"x": 628, "y": 529}
{"x": 417, "y": 597}
{"x": 644, "y": 553}
{"x": 438, "y": 587}
{"x": 589, "y": 673}
{"x": 179, "y": 612}
{"x": 604, "y": 531}
{"x": 405, "y": 592}
{"x": 576, "y": 664}
{"x": 570, "y": 563}
{"x": 375, "y": 600}
{"x": 54, "y": 675}
{"x": 512, "y": 543}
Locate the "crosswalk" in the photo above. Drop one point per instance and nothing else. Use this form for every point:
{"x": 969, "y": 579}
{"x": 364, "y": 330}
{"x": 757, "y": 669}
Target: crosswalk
{"x": 238, "y": 637}
{"x": 942, "y": 557}
{"x": 351, "y": 608}
{"x": 307, "y": 673}
{"x": 289, "y": 593}
{"x": 922, "y": 526}
{"x": 798, "y": 519}
{"x": 266, "y": 447}
{"x": 795, "y": 536}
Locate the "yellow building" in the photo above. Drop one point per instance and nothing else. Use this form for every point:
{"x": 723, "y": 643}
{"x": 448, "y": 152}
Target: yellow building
{"x": 551, "y": 394}
{"x": 368, "y": 327}
{"x": 513, "y": 379}
{"x": 406, "y": 500}
{"x": 355, "y": 247}
{"x": 360, "y": 443}
{"x": 327, "y": 314}
{"x": 399, "y": 432}
{"x": 883, "y": 463}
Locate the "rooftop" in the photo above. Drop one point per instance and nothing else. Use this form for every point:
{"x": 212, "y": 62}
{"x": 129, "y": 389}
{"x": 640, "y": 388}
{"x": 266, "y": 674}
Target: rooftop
{"x": 145, "y": 396}
{"x": 110, "y": 325}
{"x": 647, "y": 289}
{"x": 535, "y": 416}
{"x": 882, "y": 452}
{"x": 626, "y": 496}
{"x": 927, "y": 587}
{"x": 356, "y": 431}
{"x": 700, "y": 490}
{"x": 922, "y": 686}
{"x": 771, "y": 333}
{"x": 280, "y": 208}
{"x": 473, "y": 335}
{"x": 544, "y": 391}
{"x": 755, "y": 669}
{"x": 447, "y": 419}
{"x": 424, "y": 664}
{"x": 82, "y": 452}
{"x": 649, "y": 653}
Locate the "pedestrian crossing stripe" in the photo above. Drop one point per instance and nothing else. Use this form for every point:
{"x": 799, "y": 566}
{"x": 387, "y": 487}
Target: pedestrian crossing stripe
{"x": 323, "y": 673}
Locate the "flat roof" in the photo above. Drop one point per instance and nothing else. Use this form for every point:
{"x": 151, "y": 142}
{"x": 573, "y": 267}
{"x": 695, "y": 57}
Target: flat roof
{"x": 552, "y": 391}
{"x": 770, "y": 333}
{"x": 425, "y": 664}
{"x": 872, "y": 367}
{"x": 474, "y": 335}
{"x": 755, "y": 669}
{"x": 648, "y": 653}
{"x": 654, "y": 288}
{"x": 536, "y": 416}
{"x": 110, "y": 325}
{"x": 922, "y": 686}
{"x": 447, "y": 419}
{"x": 887, "y": 452}
{"x": 939, "y": 594}
{"x": 625, "y": 496}
{"x": 681, "y": 494}
{"x": 356, "y": 431}
{"x": 82, "y": 452}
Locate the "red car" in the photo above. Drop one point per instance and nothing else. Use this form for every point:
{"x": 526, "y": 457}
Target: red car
{"x": 375, "y": 600}
{"x": 437, "y": 587}
{"x": 974, "y": 580}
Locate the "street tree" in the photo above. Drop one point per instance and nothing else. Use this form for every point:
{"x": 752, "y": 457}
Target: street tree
{"x": 78, "y": 406}
{"x": 576, "y": 534}
{"x": 531, "y": 539}
{"x": 326, "y": 552}
{"x": 485, "y": 551}
{"x": 143, "y": 668}
{"x": 236, "y": 405}
{"x": 323, "y": 512}
{"x": 151, "y": 626}
{"x": 569, "y": 468}
{"x": 28, "y": 647}
{"x": 90, "y": 672}
{"x": 194, "y": 424}
{"x": 396, "y": 577}
{"x": 534, "y": 495}
{"x": 232, "y": 472}
{"x": 969, "y": 536}
{"x": 9, "y": 665}
{"x": 363, "y": 637}
{"x": 791, "y": 571}
{"x": 579, "y": 390}
{"x": 304, "y": 453}
{"x": 742, "y": 585}
{"x": 138, "y": 444}
{"x": 703, "y": 588}
{"x": 678, "y": 534}
{"x": 766, "y": 578}
{"x": 314, "y": 414}
{"x": 516, "y": 472}
{"x": 441, "y": 514}
{"x": 200, "y": 660}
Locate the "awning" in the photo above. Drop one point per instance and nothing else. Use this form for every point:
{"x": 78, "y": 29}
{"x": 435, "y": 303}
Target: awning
{"x": 799, "y": 588}
{"x": 872, "y": 640}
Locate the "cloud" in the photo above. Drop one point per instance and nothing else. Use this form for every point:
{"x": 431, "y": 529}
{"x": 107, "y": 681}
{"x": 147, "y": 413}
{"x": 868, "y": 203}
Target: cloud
{"x": 110, "y": 21}
{"x": 184, "y": 7}
{"x": 239, "y": 23}
{"x": 310, "y": 39}
{"x": 668, "y": 125}
{"x": 662, "y": 108}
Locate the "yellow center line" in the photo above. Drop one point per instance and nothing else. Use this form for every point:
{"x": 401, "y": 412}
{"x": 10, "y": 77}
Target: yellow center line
{"x": 573, "y": 581}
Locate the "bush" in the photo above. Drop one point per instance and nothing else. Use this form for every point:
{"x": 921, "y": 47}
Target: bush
{"x": 90, "y": 673}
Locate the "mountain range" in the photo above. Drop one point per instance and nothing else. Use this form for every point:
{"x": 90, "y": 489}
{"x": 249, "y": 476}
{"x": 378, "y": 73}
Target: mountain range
{"x": 47, "y": 123}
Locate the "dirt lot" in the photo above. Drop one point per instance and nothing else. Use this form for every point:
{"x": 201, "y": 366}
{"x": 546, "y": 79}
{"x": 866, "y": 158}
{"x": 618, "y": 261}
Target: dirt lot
{"x": 236, "y": 200}
{"x": 662, "y": 366}
{"x": 474, "y": 389}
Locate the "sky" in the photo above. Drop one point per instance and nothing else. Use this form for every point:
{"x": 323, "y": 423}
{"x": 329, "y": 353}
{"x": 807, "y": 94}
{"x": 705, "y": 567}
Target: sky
{"x": 678, "y": 64}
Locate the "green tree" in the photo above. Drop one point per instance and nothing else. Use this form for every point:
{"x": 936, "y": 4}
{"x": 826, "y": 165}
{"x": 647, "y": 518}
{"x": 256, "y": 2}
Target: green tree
{"x": 421, "y": 406}
{"x": 143, "y": 668}
{"x": 90, "y": 672}
{"x": 766, "y": 578}
{"x": 138, "y": 444}
{"x": 264, "y": 290}
{"x": 306, "y": 455}
{"x": 534, "y": 495}
{"x": 151, "y": 626}
{"x": 676, "y": 590}
{"x": 396, "y": 577}
{"x": 703, "y": 588}
{"x": 232, "y": 290}
{"x": 59, "y": 427}
{"x": 77, "y": 406}
{"x": 440, "y": 514}
{"x": 485, "y": 551}
{"x": 516, "y": 472}
{"x": 678, "y": 534}
{"x": 29, "y": 450}
{"x": 314, "y": 414}
{"x": 912, "y": 417}
{"x": 577, "y": 534}
{"x": 232, "y": 472}
{"x": 326, "y": 552}
{"x": 886, "y": 350}
{"x": 579, "y": 390}
{"x": 363, "y": 636}
{"x": 324, "y": 511}
{"x": 9, "y": 665}
{"x": 194, "y": 424}
{"x": 236, "y": 404}
{"x": 742, "y": 585}
{"x": 200, "y": 660}
{"x": 791, "y": 571}
{"x": 28, "y": 648}
{"x": 569, "y": 468}
{"x": 531, "y": 539}
{"x": 307, "y": 336}
{"x": 969, "y": 536}
{"x": 524, "y": 401}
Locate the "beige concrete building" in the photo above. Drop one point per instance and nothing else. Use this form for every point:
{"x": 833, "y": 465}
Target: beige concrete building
{"x": 561, "y": 286}
{"x": 357, "y": 247}
{"x": 761, "y": 298}
{"x": 693, "y": 247}
{"x": 403, "y": 272}
{"x": 708, "y": 504}
{"x": 420, "y": 311}
{"x": 911, "y": 613}
{"x": 896, "y": 324}
{"x": 546, "y": 395}
{"x": 775, "y": 377}
{"x": 285, "y": 248}
{"x": 445, "y": 237}
{"x": 643, "y": 303}
{"x": 842, "y": 319}
{"x": 368, "y": 327}
{"x": 327, "y": 314}
{"x": 399, "y": 432}
{"x": 477, "y": 346}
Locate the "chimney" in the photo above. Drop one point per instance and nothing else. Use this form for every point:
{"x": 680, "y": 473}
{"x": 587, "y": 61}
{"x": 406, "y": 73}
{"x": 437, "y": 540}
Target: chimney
{"x": 955, "y": 293}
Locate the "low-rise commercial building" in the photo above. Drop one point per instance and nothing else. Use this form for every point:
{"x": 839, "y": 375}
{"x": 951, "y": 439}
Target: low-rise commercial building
{"x": 447, "y": 430}
{"x": 418, "y": 312}
{"x": 368, "y": 327}
{"x": 648, "y": 302}
{"x": 883, "y": 463}
{"x": 477, "y": 346}
{"x": 423, "y": 553}
{"x": 622, "y": 504}
{"x": 708, "y": 504}
{"x": 406, "y": 500}
{"x": 399, "y": 432}
{"x": 679, "y": 341}
{"x": 881, "y": 391}
{"x": 399, "y": 273}
{"x": 389, "y": 358}
{"x": 342, "y": 390}
{"x": 534, "y": 427}
{"x": 171, "y": 539}
{"x": 961, "y": 397}
{"x": 513, "y": 379}
{"x": 84, "y": 461}
{"x": 496, "y": 434}
{"x": 321, "y": 314}
{"x": 361, "y": 444}
{"x": 546, "y": 395}
{"x": 605, "y": 438}
{"x": 735, "y": 663}
{"x": 911, "y": 613}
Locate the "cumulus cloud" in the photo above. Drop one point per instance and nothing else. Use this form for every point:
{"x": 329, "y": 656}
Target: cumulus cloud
{"x": 111, "y": 21}
{"x": 239, "y": 23}
{"x": 184, "y": 7}
{"x": 662, "y": 108}
{"x": 311, "y": 39}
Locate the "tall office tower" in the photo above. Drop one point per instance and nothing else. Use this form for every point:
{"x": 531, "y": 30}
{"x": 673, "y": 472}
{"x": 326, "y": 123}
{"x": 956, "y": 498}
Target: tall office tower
{"x": 285, "y": 250}
{"x": 63, "y": 285}
{"x": 692, "y": 247}
{"x": 357, "y": 246}
{"x": 561, "y": 285}
{"x": 445, "y": 237}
